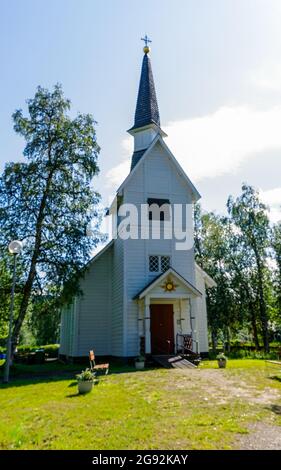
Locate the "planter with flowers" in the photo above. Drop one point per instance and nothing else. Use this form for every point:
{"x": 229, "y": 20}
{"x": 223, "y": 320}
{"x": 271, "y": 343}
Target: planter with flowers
{"x": 222, "y": 360}
{"x": 85, "y": 381}
{"x": 139, "y": 362}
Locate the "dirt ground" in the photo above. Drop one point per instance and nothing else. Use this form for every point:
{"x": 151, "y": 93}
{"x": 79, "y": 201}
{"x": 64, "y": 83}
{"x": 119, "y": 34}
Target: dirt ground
{"x": 253, "y": 389}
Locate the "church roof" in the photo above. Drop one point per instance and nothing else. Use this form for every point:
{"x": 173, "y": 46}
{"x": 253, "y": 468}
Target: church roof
{"x": 147, "y": 111}
{"x": 209, "y": 281}
{"x": 136, "y": 157}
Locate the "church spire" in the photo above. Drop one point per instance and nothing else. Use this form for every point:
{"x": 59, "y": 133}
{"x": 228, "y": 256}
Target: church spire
{"x": 147, "y": 111}
{"x": 147, "y": 118}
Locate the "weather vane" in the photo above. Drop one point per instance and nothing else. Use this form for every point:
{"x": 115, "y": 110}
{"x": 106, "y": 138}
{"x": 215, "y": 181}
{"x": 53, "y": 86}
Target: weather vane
{"x": 146, "y": 41}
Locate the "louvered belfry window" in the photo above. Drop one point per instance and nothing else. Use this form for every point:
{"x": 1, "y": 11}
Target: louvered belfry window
{"x": 162, "y": 207}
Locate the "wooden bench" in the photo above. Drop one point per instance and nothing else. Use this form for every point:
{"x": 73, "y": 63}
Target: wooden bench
{"x": 97, "y": 367}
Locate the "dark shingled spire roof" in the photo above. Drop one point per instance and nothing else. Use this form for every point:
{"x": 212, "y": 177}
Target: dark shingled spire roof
{"x": 136, "y": 157}
{"x": 147, "y": 108}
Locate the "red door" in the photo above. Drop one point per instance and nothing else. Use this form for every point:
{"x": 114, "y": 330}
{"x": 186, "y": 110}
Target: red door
{"x": 162, "y": 328}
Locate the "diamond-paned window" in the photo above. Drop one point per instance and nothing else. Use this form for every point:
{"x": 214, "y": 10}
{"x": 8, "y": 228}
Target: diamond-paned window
{"x": 158, "y": 263}
{"x": 165, "y": 263}
{"x": 154, "y": 264}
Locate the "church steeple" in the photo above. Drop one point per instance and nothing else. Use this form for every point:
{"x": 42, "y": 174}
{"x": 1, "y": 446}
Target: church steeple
{"x": 147, "y": 111}
{"x": 147, "y": 119}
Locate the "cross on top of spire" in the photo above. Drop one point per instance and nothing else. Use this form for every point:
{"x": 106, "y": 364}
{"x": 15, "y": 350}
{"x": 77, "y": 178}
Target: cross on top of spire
{"x": 146, "y": 40}
{"x": 147, "y": 108}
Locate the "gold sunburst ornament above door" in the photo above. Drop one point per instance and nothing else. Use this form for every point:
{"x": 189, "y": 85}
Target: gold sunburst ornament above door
{"x": 169, "y": 285}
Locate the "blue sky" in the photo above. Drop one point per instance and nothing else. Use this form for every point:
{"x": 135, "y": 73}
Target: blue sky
{"x": 217, "y": 70}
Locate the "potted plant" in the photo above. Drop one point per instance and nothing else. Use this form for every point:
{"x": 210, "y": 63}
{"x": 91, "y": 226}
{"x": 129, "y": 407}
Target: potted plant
{"x": 139, "y": 362}
{"x": 222, "y": 359}
{"x": 85, "y": 381}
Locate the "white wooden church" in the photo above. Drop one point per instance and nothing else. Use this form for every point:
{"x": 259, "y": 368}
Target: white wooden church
{"x": 142, "y": 295}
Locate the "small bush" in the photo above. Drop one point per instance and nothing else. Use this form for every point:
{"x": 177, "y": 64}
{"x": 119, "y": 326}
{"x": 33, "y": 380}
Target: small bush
{"x": 248, "y": 354}
{"x": 52, "y": 350}
{"x": 49, "y": 350}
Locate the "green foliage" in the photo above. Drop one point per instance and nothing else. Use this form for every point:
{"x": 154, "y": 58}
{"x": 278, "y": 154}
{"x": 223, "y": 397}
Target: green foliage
{"x": 235, "y": 250}
{"x": 5, "y": 293}
{"x": 248, "y": 354}
{"x": 221, "y": 357}
{"x": 48, "y": 202}
{"x": 85, "y": 376}
{"x": 249, "y": 217}
{"x": 44, "y": 320}
{"x": 140, "y": 358}
{"x": 276, "y": 245}
{"x": 52, "y": 350}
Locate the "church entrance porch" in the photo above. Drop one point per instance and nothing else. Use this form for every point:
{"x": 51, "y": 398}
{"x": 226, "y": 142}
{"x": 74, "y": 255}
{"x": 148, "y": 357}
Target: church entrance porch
{"x": 162, "y": 329}
{"x": 166, "y": 310}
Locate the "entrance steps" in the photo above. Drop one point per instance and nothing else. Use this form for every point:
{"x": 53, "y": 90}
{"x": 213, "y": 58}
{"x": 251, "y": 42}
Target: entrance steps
{"x": 172, "y": 361}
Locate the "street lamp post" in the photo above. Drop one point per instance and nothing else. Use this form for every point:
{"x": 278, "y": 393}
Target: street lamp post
{"x": 15, "y": 248}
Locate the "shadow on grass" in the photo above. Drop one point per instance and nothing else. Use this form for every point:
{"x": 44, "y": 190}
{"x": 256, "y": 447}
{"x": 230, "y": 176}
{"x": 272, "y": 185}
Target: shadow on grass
{"x": 77, "y": 394}
{"x": 73, "y": 395}
{"x": 72, "y": 384}
{"x": 34, "y": 377}
{"x": 275, "y": 408}
{"x": 276, "y": 377}
{"x": 23, "y": 382}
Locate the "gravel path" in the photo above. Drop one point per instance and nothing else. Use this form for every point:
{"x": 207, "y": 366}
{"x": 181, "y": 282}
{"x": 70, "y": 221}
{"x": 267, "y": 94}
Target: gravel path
{"x": 261, "y": 437}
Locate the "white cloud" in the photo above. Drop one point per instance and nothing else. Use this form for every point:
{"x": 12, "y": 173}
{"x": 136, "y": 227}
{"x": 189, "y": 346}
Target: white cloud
{"x": 117, "y": 174}
{"x": 268, "y": 77}
{"x": 214, "y": 144}
{"x": 272, "y": 198}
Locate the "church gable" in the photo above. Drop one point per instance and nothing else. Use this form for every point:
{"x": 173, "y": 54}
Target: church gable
{"x": 159, "y": 172}
{"x": 169, "y": 284}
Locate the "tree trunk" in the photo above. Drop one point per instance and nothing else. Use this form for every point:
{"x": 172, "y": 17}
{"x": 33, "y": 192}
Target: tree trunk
{"x": 262, "y": 305}
{"x": 254, "y": 325}
{"x": 214, "y": 341}
{"x": 27, "y": 290}
{"x": 227, "y": 340}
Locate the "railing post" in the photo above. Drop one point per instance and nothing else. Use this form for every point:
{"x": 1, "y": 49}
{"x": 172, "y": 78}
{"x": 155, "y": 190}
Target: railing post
{"x": 147, "y": 326}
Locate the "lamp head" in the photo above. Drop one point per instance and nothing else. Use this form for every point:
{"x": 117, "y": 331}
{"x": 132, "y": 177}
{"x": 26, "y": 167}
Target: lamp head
{"x": 15, "y": 247}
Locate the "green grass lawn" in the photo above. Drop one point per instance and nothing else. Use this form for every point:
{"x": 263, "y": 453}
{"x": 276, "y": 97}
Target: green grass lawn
{"x": 206, "y": 408}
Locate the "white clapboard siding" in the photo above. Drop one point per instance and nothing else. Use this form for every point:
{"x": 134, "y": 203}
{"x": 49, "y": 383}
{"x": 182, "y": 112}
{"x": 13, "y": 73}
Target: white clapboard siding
{"x": 117, "y": 317}
{"x": 154, "y": 177}
{"x": 67, "y": 332}
{"x": 94, "y": 307}
{"x": 201, "y": 314}
{"x": 107, "y": 317}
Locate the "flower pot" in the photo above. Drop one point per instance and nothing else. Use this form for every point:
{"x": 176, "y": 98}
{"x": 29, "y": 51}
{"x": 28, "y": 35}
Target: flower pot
{"x": 139, "y": 365}
{"x": 222, "y": 363}
{"x": 84, "y": 386}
